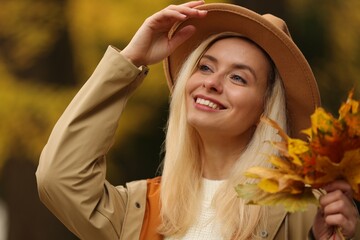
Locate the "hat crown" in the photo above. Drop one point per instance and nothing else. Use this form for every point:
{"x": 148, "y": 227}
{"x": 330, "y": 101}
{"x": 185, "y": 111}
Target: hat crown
{"x": 271, "y": 34}
{"x": 278, "y": 22}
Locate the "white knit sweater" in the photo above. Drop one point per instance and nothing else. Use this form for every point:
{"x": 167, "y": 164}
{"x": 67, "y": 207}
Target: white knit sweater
{"x": 206, "y": 226}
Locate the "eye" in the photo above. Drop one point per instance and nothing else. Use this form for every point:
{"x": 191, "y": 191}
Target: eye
{"x": 238, "y": 79}
{"x": 204, "y": 68}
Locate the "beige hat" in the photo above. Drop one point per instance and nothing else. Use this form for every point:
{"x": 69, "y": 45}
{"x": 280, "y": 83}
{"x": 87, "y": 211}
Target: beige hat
{"x": 270, "y": 33}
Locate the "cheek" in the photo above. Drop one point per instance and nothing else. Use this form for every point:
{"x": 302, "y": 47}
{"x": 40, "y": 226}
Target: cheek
{"x": 251, "y": 108}
{"x": 189, "y": 84}
{"x": 192, "y": 84}
{"x": 188, "y": 87}
{"x": 257, "y": 100}
{"x": 258, "y": 109}
{"x": 189, "y": 90}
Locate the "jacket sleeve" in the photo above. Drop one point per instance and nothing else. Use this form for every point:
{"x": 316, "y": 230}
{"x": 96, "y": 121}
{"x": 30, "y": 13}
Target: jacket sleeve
{"x": 71, "y": 172}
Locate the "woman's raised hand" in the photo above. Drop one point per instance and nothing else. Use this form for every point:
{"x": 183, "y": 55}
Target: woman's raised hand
{"x": 151, "y": 44}
{"x": 337, "y": 213}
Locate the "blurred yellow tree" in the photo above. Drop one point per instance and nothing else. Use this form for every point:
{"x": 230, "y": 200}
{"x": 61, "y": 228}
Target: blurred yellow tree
{"x": 47, "y": 51}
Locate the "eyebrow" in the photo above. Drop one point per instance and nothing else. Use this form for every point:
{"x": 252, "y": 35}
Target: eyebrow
{"x": 235, "y": 65}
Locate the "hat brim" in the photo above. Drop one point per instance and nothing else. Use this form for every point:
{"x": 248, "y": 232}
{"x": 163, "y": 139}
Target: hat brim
{"x": 302, "y": 94}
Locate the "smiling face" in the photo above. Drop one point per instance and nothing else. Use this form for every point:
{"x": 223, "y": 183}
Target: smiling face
{"x": 225, "y": 94}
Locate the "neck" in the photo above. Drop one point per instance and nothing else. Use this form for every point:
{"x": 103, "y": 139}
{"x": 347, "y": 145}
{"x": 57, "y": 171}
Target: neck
{"x": 219, "y": 155}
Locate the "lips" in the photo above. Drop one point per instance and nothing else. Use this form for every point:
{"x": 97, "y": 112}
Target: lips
{"x": 209, "y": 103}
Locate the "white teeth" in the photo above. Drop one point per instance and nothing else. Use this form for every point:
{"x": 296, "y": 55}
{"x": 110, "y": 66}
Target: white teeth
{"x": 207, "y": 103}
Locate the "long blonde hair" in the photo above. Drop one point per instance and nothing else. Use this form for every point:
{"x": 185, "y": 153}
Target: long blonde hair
{"x": 182, "y": 169}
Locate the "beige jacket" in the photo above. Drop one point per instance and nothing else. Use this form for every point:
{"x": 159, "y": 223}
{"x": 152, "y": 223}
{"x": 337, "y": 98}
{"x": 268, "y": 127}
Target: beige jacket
{"x": 72, "y": 168}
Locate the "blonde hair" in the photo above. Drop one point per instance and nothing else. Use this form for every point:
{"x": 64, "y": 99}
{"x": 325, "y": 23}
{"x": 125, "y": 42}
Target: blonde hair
{"x": 182, "y": 169}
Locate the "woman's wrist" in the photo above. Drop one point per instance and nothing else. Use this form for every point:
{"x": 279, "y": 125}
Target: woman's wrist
{"x": 131, "y": 58}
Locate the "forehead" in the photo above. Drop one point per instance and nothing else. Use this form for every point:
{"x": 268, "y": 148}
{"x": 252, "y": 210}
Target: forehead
{"x": 239, "y": 50}
{"x": 236, "y": 44}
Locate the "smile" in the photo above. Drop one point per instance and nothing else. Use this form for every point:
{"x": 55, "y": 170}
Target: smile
{"x": 207, "y": 103}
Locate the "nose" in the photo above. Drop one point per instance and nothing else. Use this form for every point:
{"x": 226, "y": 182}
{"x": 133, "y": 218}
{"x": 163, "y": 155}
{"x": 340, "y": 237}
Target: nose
{"x": 213, "y": 83}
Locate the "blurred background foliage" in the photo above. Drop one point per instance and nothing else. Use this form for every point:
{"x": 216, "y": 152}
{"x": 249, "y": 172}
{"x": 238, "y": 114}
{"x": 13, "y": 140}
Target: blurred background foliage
{"x": 48, "y": 48}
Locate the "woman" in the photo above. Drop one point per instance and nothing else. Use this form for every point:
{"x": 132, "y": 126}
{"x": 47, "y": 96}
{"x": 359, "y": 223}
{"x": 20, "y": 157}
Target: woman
{"x": 226, "y": 62}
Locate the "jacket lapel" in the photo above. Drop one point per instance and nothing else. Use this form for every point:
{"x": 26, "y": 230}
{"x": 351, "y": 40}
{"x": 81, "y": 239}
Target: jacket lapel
{"x": 152, "y": 219}
{"x": 275, "y": 226}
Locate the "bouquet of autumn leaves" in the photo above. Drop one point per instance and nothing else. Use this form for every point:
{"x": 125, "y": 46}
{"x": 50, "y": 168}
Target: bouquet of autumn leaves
{"x": 332, "y": 152}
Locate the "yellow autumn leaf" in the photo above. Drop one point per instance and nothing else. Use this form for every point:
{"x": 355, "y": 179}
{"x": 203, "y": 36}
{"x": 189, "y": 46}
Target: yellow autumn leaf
{"x": 289, "y": 147}
{"x": 295, "y": 148}
{"x": 292, "y": 202}
{"x": 291, "y": 183}
{"x": 282, "y": 147}
{"x": 276, "y": 180}
{"x": 248, "y": 191}
{"x": 280, "y": 163}
{"x": 323, "y": 122}
{"x": 269, "y": 185}
{"x": 275, "y": 125}
{"x": 262, "y": 172}
{"x": 350, "y": 106}
{"x": 308, "y": 132}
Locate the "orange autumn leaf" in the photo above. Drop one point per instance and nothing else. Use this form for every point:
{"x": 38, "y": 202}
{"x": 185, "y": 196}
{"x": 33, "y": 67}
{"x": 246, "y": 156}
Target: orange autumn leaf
{"x": 349, "y": 113}
{"x": 347, "y": 169}
{"x": 350, "y": 106}
{"x": 327, "y": 135}
{"x": 353, "y": 122}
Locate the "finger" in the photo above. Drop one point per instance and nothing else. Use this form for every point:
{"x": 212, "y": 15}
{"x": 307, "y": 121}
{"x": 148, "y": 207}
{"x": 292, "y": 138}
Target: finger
{"x": 336, "y": 220}
{"x": 193, "y": 4}
{"x": 332, "y": 197}
{"x": 340, "y": 185}
{"x": 340, "y": 220}
{"x": 337, "y": 202}
{"x": 187, "y": 11}
{"x": 338, "y": 207}
{"x": 346, "y": 227}
{"x": 168, "y": 17}
{"x": 341, "y": 213}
